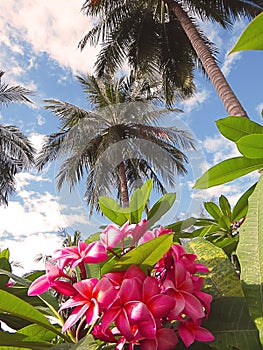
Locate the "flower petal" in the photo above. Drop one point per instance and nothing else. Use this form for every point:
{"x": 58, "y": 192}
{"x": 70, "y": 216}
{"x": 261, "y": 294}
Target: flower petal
{"x": 167, "y": 339}
{"x": 160, "y": 305}
{"x": 202, "y": 334}
{"x": 75, "y": 315}
{"x": 39, "y": 286}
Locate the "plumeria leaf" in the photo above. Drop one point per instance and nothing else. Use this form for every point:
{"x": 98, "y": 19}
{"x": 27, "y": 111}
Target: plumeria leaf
{"x": 86, "y": 343}
{"x": 5, "y": 253}
{"x": 146, "y": 255}
{"x": 252, "y": 36}
{"x": 139, "y": 201}
{"x": 233, "y": 128}
{"x": 228, "y": 170}
{"x": 251, "y": 146}
{"x": 4, "y": 265}
{"x": 182, "y": 225}
{"x": 249, "y": 252}
{"x": 20, "y": 280}
{"x": 231, "y": 324}
{"x": 18, "y": 307}
{"x": 160, "y": 208}
{"x": 213, "y": 210}
{"x": 22, "y": 341}
{"x": 37, "y": 332}
{"x": 241, "y": 207}
{"x": 225, "y": 206}
{"x": 222, "y": 279}
{"x": 111, "y": 209}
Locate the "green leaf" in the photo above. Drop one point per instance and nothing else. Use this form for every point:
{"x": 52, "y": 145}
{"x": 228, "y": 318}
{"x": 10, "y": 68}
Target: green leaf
{"x": 4, "y": 265}
{"x": 251, "y": 146}
{"x": 250, "y": 255}
{"x": 5, "y": 253}
{"x": 228, "y": 170}
{"x": 160, "y": 208}
{"x": 22, "y": 281}
{"x": 37, "y": 332}
{"x": 18, "y": 307}
{"x": 252, "y": 36}
{"x": 230, "y": 323}
{"x": 182, "y": 225}
{"x": 139, "y": 200}
{"x": 222, "y": 279}
{"x": 225, "y": 206}
{"x": 87, "y": 343}
{"x": 213, "y": 210}
{"x": 241, "y": 207}
{"x": 233, "y": 128}
{"x": 146, "y": 255}
{"x": 113, "y": 211}
{"x": 21, "y": 341}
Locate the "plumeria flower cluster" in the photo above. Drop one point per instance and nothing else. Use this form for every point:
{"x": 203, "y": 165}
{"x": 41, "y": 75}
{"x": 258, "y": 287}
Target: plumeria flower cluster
{"x": 130, "y": 308}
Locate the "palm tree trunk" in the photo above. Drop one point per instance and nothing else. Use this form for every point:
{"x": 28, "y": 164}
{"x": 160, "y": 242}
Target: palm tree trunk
{"x": 124, "y": 186}
{"x": 229, "y": 99}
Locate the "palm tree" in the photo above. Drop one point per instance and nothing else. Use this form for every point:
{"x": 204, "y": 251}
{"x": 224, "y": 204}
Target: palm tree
{"x": 16, "y": 151}
{"x": 163, "y": 35}
{"x": 116, "y": 143}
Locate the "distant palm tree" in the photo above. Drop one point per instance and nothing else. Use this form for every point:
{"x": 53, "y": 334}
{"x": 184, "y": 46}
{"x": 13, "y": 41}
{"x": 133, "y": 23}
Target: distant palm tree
{"x": 162, "y": 35}
{"x": 114, "y": 142}
{"x": 16, "y": 151}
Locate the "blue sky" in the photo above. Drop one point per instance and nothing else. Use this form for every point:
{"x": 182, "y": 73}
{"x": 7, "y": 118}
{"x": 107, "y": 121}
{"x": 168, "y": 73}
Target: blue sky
{"x": 38, "y": 44}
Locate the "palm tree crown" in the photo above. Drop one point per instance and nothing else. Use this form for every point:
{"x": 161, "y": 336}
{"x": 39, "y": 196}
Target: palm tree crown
{"x": 16, "y": 151}
{"x": 163, "y": 36}
{"x": 117, "y": 143}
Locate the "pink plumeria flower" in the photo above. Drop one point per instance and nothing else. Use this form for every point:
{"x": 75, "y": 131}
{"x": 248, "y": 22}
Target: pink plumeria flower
{"x": 165, "y": 339}
{"x": 114, "y": 235}
{"x": 189, "y": 331}
{"x": 92, "y": 295}
{"x": 180, "y": 286}
{"x": 149, "y": 235}
{"x": 138, "y": 231}
{"x": 83, "y": 253}
{"x": 52, "y": 279}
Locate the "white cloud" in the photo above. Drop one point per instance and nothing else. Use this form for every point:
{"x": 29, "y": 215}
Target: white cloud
{"x": 25, "y": 250}
{"x": 54, "y": 27}
{"x": 37, "y": 140}
{"x": 220, "y": 147}
{"x": 40, "y": 120}
{"x": 194, "y": 102}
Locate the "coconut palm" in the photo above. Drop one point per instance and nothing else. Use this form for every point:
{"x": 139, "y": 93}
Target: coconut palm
{"x": 16, "y": 151}
{"x": 163, "y": 35}
{"x": 116, "y": 143}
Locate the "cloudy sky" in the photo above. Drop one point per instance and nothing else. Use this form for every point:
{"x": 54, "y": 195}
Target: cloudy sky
{"x": 39, "y": 51}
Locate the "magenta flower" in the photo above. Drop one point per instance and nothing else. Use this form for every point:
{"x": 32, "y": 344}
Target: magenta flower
{"x": 137, "y": 308}
{"x": 166, "y": 339}
{"x": 51, "y": 280}
{"x": 139, "y": 230}
{"x": 190, "y": 331}
{"x": 149, "y": 235}
{"x": 83, "y": 253}
{"x": 180, "y": 286}
{"x": 92, "y": 295}
{"x": 113, "y": 235}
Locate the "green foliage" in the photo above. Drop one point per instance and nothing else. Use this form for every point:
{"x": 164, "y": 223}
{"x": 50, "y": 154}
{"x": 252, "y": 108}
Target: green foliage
{"x": 248, "y": 137}
{"x": 252, "y": 36}
{"x": 241, "y": 207}
{"x": 250, "y": 254}
{"x": 146, "y": 255}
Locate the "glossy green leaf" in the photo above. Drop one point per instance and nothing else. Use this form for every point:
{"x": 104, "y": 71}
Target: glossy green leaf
{"x": 139, "y": 201}
{"x": 21, "y": 341}
{"x": 251, "y": 146}
{"x": 18, "y": 307}
{"x": 37, "y": 332}
{"x": 87, "y": 343}
{"x": 241, "y": 207}
{"x": 222, "y": 279}
{"x": 182, "y": 225}
{"x": 213, "y": 210}
{"x": 113, "y": 211}
{"x": 4, "y": 265}
{"x": 233, "y": 128}
{"x": 20, "y": 280}
{"x": 252, "y": 36}
{"x": 231, "y": 324}
{"x": 160, "y": 208}
{"x": 146, "y": 255}
{"x": 225, "y": 205}
{"x": 5, "y": 253}
{"x": 228, "y": 170}
{"x": 250, "y": 255}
